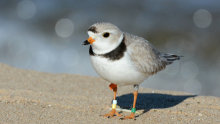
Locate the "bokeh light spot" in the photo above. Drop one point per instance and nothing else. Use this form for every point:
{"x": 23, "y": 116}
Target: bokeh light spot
{"x": 202, "y": 18}
{"x": 193, "y": 86}
{"x": 189, "y": 70}
{"x": 64, "y": 28}
{"x": 26, "y": 9}
{"x": 171, "y": 70}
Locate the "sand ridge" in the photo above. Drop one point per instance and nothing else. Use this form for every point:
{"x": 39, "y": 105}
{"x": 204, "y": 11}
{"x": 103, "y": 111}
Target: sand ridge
{"x": 28, "y": 96}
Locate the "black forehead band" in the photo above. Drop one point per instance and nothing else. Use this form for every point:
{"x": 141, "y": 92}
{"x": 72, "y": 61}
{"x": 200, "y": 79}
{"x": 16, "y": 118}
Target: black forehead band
{"x": 93, "y": 29}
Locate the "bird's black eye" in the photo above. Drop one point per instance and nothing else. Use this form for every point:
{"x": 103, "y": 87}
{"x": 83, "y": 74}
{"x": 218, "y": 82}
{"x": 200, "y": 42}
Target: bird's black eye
{"x": 106, "y": 34}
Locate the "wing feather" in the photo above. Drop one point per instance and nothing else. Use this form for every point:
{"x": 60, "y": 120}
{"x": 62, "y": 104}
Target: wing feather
{"x": 144, "y": 55}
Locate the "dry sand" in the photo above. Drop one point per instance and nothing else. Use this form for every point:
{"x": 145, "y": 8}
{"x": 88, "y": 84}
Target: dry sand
{"x": 36, "y": 97}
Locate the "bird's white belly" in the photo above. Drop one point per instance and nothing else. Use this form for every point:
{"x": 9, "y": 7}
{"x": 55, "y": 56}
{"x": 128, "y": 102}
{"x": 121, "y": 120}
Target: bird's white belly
{"x": 120, "y": 72}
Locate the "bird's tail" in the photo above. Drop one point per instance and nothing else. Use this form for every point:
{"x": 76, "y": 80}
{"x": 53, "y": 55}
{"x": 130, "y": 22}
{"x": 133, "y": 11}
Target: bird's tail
{"x": 171, "y": 57}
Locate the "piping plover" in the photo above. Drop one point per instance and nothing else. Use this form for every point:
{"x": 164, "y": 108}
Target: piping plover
{"x": 123, "y": 59}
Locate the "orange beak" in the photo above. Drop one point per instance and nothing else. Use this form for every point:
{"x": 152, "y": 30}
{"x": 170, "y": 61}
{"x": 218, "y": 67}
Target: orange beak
{"x": 90, "y": 40}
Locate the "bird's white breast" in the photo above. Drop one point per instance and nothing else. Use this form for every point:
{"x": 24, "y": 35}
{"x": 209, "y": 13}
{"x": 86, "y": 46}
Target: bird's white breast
{"x": 120, "y": 72}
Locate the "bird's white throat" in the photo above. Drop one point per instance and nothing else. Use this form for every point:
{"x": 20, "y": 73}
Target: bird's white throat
{"x": 105, "y": 47}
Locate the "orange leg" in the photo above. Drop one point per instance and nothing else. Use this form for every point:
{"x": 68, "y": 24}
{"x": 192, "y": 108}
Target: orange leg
{"x": 134, "y": 104}
{"x": 113, "y": 112}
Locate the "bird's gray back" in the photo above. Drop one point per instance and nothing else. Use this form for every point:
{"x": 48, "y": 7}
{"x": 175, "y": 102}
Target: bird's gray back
{"x": 144, "y": 55}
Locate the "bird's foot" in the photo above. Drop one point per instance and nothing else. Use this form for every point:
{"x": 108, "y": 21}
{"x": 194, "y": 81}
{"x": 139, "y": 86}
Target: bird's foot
{"x": 112, "y": 113}
{"x": 129, "y": 117}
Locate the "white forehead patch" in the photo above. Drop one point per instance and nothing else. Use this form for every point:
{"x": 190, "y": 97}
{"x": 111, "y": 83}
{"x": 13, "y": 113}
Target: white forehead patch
{"x": 91, "y": 34}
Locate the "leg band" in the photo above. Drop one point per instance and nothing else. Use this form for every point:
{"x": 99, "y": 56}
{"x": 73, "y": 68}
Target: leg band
{"x": 133, "y": 110}
{"x": 113, "y": 106}
{"x": 114, "y": 102}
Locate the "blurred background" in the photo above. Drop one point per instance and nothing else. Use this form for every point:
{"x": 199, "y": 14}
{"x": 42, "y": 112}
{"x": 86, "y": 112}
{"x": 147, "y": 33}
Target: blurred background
{"x": 47, "y": 36}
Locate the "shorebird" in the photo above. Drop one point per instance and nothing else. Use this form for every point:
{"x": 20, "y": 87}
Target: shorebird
{"x": 123, "y": 59}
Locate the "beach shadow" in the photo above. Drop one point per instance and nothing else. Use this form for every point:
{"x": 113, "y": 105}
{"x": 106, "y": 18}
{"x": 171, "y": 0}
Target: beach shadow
{"x": 148, "y": 101}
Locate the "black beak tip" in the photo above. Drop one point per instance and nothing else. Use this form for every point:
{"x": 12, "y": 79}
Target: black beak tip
{"x": 86, "y": 42}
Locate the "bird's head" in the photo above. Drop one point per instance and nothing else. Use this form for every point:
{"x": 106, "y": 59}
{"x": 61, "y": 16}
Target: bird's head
{"x": 103, "y": 37}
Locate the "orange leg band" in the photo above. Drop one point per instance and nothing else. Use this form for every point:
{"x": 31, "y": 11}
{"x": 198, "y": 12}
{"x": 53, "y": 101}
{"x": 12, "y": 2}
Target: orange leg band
{"x": 112, "y": 86}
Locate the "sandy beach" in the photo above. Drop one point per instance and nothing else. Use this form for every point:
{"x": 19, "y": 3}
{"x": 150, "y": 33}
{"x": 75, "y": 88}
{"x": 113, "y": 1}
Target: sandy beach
{"x": 28, "y": 96}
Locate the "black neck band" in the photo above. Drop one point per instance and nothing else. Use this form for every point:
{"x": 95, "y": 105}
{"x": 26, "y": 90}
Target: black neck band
{"x": 115, "y": 54}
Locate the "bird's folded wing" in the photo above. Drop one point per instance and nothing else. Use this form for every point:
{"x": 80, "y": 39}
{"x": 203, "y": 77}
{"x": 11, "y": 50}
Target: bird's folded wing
{"x": 144, "y": 55}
